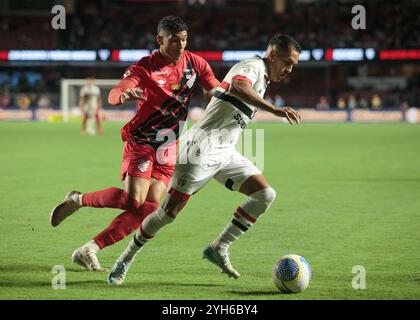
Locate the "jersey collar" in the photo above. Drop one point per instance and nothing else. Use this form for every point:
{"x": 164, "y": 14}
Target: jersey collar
{"x": 163, "y": 63}
{"x": 265, "y": 69}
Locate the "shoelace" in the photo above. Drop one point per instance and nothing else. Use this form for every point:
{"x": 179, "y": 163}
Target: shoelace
{"x": 92, "y": 259}
{"x": 122, "y": 268}
{"x": 225, "y": 259}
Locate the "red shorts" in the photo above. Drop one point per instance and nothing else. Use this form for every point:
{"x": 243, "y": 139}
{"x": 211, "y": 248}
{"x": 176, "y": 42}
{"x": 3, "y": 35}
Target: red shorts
{"x": 140, "y": 160}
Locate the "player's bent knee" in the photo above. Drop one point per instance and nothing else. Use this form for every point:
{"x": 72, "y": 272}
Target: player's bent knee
{"x": 269, "y": 196}
{"x": 172, "y": 208}
{"x": 175, "y": 202}
{"x": 172, "y": 213}
{"x": 259, "y": 202}
{"x": 129, "y": 202}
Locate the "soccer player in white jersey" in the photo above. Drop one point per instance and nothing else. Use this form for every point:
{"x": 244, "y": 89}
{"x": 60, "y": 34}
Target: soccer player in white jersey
{"x": 90, "y": 106}
{"x": 232, "y": 107}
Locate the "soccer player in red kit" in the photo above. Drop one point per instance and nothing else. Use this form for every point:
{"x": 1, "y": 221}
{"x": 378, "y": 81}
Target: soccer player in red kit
{"x": 162, "y": 83}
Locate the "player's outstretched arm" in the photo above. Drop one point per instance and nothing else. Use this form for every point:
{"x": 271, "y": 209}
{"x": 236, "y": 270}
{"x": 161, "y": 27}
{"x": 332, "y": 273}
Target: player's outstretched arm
{"x": 126, "y": 90}
{"x": 244, "y": 91}
{"x": 208, "y": 94}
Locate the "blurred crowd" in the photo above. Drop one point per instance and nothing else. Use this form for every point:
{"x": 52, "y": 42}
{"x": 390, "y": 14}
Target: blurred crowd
{"x": 24, "y": 90}
{"x": 235, "y": 26}
{"x": 225, "y": 25}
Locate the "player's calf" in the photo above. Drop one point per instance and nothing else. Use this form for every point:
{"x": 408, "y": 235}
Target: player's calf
{"x": 109, "y": 198}
{"x": 245, "y": 217}
{"x": 149, "y": 227}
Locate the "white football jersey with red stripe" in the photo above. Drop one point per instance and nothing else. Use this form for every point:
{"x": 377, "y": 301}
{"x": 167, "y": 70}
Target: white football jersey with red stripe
{"x": 226, "y": 115}
{"x": 91, "y": 94}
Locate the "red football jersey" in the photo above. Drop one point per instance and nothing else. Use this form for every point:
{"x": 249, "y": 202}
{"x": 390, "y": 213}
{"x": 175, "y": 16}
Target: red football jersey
{"x": 167, "y": 90}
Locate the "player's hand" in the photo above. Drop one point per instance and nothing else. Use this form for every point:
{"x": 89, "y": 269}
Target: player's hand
{"x": 132, "y": 94}
{"x": 291, "y": 115}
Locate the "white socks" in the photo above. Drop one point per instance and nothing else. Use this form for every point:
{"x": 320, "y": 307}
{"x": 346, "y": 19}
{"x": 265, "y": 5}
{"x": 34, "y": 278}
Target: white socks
{"x": 153, "y": 223}
{"x": 92, "y": 245}
{"x": 226, "y": 237}
{"x": 131, "y": 251}
{"x": 150, "y": 226}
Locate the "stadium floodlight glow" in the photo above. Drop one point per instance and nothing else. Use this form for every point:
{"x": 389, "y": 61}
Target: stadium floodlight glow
{"x": 59, "y": 55}
{"x": 355, "y": 54}
{"x": 412, "y": 54}
{"x": 370, "y": 53}
{"x": 305, "y": 55}
{"x": 28, "y": 55}
{"x": 104, "y": 54}
{"x": 210, "y": 55}
{"x": 4, "y": 55}
{"x": 317, "y": 54}
{"x": 241, "y": 55}
{"x": 72, "y": 55}
{"x": 52, "y": 55}
{"x": 132, "y": 55}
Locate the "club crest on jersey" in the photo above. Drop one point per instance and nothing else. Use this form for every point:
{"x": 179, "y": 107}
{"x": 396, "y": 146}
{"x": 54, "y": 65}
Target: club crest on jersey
{"x": 191, "y": 80}
{"x": 182, "y": 181}
{"x": 175, "y": 86}
{"x": 143, "y": 165}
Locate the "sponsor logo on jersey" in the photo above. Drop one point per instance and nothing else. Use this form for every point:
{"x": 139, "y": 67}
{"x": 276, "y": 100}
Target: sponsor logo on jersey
{"x": 175, "y": 86}
{"x": 143, "y": 165}
{"x": 240, "y": 120}
{"x": 160, "y": 72}
{"x": 161, "y": 82}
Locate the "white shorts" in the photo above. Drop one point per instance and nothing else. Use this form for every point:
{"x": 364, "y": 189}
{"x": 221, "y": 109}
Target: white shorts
{"x": 231, "y": 172}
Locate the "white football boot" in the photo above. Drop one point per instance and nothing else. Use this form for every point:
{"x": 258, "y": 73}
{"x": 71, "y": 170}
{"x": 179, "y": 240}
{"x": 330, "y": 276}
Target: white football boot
{"x": 86, "y": 257}
{"x": 220, "y": 259}
{"x": 65, "y": 208}
{"x": 119, "y": 270}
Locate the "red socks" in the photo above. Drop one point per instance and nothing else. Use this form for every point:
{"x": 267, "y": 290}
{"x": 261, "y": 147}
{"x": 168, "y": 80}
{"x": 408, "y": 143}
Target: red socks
{"x": 110, "y": 198}
{"x": 124, "y": 224}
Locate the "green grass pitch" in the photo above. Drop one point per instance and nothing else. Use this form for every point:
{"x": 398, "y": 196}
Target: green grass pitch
{"x": 347, "y": 195}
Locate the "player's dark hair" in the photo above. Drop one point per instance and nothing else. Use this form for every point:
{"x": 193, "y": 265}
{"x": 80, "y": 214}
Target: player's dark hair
{"x": 284, "y": 42}
{"x": 172, "y": 24}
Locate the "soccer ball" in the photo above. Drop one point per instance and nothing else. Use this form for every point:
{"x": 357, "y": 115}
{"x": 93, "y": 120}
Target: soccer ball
{"x": 292, "y": 274}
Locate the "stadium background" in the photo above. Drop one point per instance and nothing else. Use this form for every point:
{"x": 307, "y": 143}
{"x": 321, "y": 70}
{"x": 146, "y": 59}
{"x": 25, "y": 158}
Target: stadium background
{"x": 340, "y": 69}
{"x": 348, "y": 192}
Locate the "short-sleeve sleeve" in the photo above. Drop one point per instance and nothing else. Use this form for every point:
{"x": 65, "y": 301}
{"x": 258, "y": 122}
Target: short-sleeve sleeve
{"x": 134, "y": 73}
{"x": 207, "y": 79}
{"x": 246, "y": 71}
